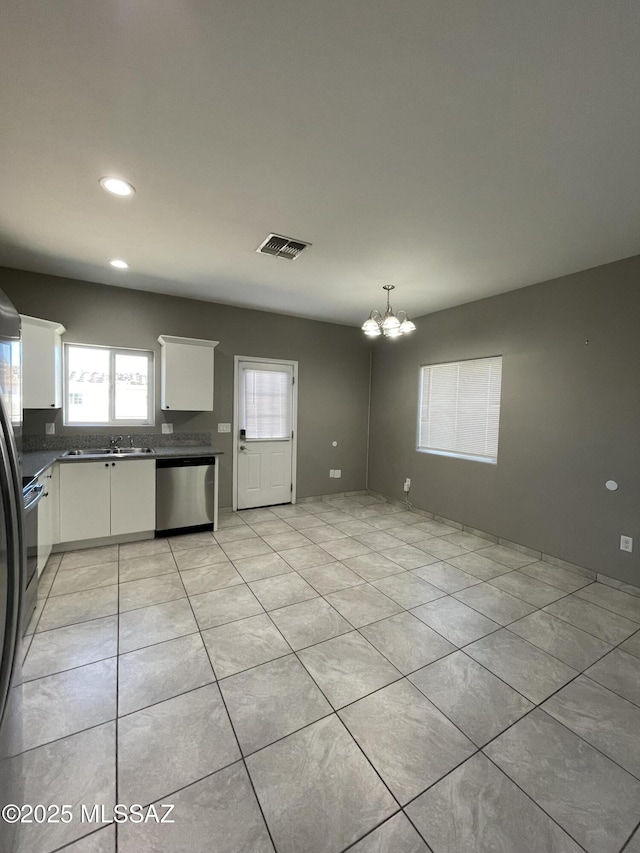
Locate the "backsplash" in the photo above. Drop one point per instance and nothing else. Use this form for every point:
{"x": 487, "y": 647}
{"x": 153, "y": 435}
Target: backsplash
{"x": 33, "y": 443}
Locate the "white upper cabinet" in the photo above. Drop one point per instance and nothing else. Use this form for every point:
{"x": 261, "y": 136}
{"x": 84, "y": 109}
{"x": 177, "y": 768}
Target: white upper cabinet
{"x": 41, "y": 363}
{"x": 187, "y": 374}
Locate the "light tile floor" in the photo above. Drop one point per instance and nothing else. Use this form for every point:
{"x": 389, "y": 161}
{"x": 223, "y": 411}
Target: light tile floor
{"x": 342, "y": 674}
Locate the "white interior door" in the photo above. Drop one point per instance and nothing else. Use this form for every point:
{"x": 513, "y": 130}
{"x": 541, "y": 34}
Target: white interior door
{"x": 264, "y": 433}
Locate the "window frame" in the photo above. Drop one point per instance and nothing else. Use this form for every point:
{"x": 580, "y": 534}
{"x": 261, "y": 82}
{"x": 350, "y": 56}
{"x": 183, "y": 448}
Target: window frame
{"x": 455, "y": 454}
{"x": 113, "y": 353}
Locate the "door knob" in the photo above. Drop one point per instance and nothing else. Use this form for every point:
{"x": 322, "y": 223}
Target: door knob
{"x": 243, "y": 447}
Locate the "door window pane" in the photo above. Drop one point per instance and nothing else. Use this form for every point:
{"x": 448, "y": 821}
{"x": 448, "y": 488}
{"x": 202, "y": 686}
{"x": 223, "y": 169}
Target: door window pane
{"x": 267, "y": 404}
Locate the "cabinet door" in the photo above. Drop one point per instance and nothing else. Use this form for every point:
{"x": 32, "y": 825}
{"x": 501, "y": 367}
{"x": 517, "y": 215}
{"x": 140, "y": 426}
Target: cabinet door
{"x": 45, "y": 522}
{"x": 85, "y": 500}
{"x": 54, "y": 496}
{"x": 41, "y": 364}
{"x": 133, "y": 496}
{"x": 187, "y": 378}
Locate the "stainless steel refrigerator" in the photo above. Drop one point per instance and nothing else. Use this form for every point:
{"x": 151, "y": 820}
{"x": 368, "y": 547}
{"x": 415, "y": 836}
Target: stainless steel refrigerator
{"x": 12, "y": 555}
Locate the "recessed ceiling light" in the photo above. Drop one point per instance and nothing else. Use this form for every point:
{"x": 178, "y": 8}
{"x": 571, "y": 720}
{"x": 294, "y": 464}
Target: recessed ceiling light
{"x": 119, "y": 264}
{"x": 116, "y": 186}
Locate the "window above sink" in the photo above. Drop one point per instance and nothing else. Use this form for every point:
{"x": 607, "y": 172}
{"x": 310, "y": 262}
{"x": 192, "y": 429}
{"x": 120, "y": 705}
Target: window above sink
{"x": 108, "y": 386}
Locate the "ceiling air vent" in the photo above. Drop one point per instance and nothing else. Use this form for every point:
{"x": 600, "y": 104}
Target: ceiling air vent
{"x": 281, "y": 247}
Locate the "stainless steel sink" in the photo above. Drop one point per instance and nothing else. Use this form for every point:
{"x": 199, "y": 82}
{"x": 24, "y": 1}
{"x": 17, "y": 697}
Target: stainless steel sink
{"x": 88, "y": 451}
{"x": 108, "y": 451}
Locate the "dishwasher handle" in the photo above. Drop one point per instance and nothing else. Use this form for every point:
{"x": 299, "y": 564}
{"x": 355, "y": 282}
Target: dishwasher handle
{"x": 185, "y": 462}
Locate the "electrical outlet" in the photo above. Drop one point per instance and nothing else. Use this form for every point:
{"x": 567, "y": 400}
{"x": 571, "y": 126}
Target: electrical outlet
{"x": 332, "y": 473}
{"x": 167, "y": 429}
{"x": 49, "y": 429}
{"x": 626, "y": 544}
{"x": 224, "y": 427}
{"x": 407, "y": 484}
{"x": 337, "y": 473}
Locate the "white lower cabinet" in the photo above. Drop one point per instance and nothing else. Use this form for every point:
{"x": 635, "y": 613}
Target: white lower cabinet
{"x": 101, "y": 499}
{"x": 47, "y": 516}
{"x": 85, "y": 500}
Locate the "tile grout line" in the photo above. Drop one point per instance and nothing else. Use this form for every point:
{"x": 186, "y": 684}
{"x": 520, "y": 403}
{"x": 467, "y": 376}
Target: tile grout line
{"x": 603, "y": 606}
{"x": 633, "y": 832}
{"x": 370, "y": 832}
{"x": 591, "y": 634}
{"x": 117, "y": 726}
{"x": 543, "y": 610}
{"x": 71, "y": 844}
{"x": 529, "y": 797}
{"x": 235, "y": 735}
{"x": 46, "y": 599}
{"x": 333, "y": 712}
{"x": 336, "y": 712}
{"x": 228, "y": 718}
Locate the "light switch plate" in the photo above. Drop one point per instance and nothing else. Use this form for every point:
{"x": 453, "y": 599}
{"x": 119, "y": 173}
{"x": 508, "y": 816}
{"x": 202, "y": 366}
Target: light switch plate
{"x": 224, "y": 427}
{"x": 167, "y": 429}
{"x": 49, "y": 429}
{"x": 337, "y": 473}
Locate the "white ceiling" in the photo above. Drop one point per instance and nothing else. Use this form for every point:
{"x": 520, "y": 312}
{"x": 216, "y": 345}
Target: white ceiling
{"x": 455, "y": 149}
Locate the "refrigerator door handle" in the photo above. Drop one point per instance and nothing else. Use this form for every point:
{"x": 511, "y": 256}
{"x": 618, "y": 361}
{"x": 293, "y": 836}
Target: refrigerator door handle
{"x": 12, "y": 499}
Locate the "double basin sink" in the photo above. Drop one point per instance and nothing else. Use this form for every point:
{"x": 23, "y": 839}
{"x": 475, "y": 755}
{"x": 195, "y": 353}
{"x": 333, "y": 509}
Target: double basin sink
{"x": 109, "y": 451}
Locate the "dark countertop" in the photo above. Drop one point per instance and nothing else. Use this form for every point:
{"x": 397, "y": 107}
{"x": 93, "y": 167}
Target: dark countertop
{"x": 35, "y": 463}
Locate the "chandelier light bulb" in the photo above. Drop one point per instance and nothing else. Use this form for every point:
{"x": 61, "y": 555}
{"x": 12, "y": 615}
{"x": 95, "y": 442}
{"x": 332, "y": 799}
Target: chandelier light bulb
{"x": 370, "y": 326}
{"x": 391, "y": 322}
{"x": 393, "y": 333}
{"x": 406, "y": 325}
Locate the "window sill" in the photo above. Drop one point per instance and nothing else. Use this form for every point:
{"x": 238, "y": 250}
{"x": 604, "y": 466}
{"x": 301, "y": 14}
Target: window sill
{"x": 468, "y": 456}
{"x": 112, "y": 427}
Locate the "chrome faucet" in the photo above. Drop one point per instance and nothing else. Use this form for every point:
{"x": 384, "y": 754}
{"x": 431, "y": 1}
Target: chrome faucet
{"x": 115, "y": 440}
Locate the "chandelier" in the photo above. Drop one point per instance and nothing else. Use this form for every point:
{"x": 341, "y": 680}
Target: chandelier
{"x": 390, "y": 325}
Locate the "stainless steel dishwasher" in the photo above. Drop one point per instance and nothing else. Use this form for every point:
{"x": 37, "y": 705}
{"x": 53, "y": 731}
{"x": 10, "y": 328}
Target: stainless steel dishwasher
{"x": 186, "y": 494}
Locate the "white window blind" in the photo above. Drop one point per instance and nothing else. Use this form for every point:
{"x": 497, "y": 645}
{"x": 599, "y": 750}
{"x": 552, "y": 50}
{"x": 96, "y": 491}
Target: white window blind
{"x": 267, "y": 404}
{"x": 460, "y": 408}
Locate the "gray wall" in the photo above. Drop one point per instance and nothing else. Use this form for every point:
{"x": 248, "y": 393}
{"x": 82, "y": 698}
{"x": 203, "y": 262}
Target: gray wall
{"x": 570, "y": 417}
{"x": 332, "y": 381}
